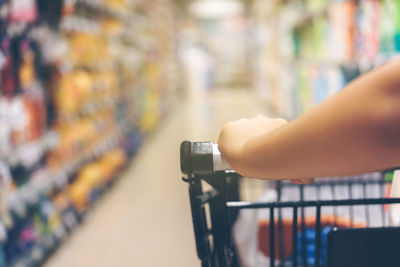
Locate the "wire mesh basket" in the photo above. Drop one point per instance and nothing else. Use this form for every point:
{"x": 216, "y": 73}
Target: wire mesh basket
{"x": 334, "y": 222}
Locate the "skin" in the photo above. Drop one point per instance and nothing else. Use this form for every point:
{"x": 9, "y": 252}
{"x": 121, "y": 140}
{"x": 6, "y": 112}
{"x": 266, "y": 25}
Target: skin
{"x": 355, "y": 131}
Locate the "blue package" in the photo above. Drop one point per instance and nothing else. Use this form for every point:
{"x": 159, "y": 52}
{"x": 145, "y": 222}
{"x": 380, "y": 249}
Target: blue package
{"x": 310, "y": 249}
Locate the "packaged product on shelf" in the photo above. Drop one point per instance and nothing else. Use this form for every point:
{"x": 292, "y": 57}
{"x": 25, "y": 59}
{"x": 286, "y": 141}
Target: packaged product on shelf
{"x": 334, "y": 43}
{"x": 32, "y": 91}
{"x": 3, "y": 240}
{"x": 8, "y": 81}
{"x": 5, "y": 188}
{"x": 68, "y": 7}
{"x": 79, "y": 194}
{"x": 23, "y": 10}
{"x": 51, "y": 220}
{"x": 84, "y": 189}
{"x": 367, "y": 45}
{"x": 84, "y": 72}
{"x": 112, "y": 27}
{"x": 342, "y": 19}
{"x": 112, "y": 162}
{"x": 335, "y": 80}
{"x": 116, "y": 5}
{"x": 74, "y": 89}
{"x": 394, "y": 210}
{"x": 63, "y": 204}
{"x": 87, "y": 50}
{"x": 18, "y": 116}
{"x": 387, "y": 28}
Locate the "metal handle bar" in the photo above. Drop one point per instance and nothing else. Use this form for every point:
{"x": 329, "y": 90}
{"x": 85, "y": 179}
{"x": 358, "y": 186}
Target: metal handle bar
{"x": 201, "y": 158}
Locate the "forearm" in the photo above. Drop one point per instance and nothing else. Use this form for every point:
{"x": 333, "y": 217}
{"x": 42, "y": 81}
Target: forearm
{"x": 355, "y": 131}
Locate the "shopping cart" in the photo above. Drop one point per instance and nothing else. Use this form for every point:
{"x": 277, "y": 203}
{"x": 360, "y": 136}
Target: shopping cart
{"x": 290, "y": 242}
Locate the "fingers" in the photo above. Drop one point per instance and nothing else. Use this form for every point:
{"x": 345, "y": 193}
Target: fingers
{"x": 302, "y": 181}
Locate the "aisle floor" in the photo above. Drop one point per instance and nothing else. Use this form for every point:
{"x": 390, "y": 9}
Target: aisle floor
{"x": 145, "y": 219}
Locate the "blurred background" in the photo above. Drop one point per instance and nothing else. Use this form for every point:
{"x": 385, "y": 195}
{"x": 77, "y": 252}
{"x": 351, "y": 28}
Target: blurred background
{"x": 96, "y": 96}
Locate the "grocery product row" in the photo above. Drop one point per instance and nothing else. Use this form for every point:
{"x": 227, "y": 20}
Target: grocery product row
{"x": 82, "y": 83}
{"x": 312, "y": 49}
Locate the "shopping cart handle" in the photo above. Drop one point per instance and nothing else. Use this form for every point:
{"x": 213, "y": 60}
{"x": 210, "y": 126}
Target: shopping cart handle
{"x": 201, "y": 158}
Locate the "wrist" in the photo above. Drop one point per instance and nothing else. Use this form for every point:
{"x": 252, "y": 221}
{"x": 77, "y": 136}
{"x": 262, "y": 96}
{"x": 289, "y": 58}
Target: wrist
{"x": 241, "y": 160}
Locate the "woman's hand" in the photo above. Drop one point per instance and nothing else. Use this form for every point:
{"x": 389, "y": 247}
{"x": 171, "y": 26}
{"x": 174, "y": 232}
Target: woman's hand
{"x": 235, "y": 135}
{"x": 302, "y": 181}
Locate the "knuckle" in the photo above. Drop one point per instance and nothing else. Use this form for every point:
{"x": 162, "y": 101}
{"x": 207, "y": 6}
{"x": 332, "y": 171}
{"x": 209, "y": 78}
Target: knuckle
{"x": 281, "y": 120}
{"x": 227, "y": 125}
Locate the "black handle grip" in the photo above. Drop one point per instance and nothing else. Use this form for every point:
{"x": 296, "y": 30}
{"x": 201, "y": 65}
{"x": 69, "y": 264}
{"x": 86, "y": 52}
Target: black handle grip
{"x": 196, "y": 157}
{"x": 186, "y": 157}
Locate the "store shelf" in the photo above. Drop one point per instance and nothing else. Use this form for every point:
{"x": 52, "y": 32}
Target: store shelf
{"x": 90, "y": 59}
{"x": 80, "y": 24}
{"x": 92, "y": 108}
{"x": 30, "y": 153}
{"x": 317, "y": 53}
{"x": 105, "y": 10}
{"x": 52, "y": 181}
{"x": 58, "y": 179}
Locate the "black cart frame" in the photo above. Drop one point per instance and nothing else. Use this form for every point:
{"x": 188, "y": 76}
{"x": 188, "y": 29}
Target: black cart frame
{"x": 215, "y": 211}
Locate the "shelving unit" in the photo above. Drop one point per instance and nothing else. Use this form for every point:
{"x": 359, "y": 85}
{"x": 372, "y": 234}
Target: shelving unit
{"x": 312, "y": 49}
{"x": 85, "y": 81}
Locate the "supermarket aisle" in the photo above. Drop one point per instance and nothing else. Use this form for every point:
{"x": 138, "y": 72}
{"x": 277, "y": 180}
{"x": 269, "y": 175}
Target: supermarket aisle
{"x": 145, "y": 220}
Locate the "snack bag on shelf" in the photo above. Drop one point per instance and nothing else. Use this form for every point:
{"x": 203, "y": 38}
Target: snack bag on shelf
{"x": 5, "y": 186}
{"x": 368, "y": 32}
{"x": 112, "y": 162}
{"x": 18, "y": 115}
{"x": 117, "y": 5}
{"x": 3, "y": 240}
{"x": 8, "y": 80}
{"x": 33, "y": 93}
{"x": 5, "y": 129}
{"x": 68, "y": 7}
{"x": 79, "y": 194}
{"x": 23, "y": 11}
{"x": 394, "y": 209}
{"x": 387, "y": 28}
{"x": 62, "y": 203}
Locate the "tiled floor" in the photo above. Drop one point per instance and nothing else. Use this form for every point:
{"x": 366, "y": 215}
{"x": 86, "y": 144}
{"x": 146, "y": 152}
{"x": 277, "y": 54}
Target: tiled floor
{"x": 145, "y": 220}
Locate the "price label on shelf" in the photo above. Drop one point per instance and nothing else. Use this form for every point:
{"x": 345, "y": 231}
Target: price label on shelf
{"x": 50, "y": 140}
{"x": 3, "y": 232}
{"x": 30, "y": 154}
{"x": 60, "y": 232}
{"x": 17, "y": 204}
{"x": 70, "y": 219}
{"x": 29, "y": 195}
{"x": 37, "y": 253}
{"x": 61, "y": 180}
